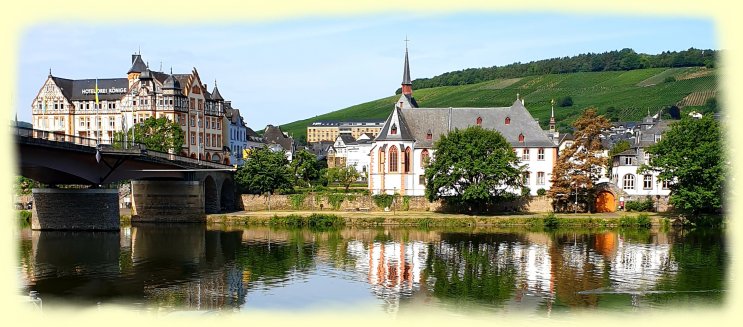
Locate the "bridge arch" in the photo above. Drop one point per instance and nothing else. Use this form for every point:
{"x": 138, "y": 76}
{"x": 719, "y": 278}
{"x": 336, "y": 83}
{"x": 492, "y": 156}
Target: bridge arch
{"x": 211, "y": 196}
{"x": 227, "y": 195}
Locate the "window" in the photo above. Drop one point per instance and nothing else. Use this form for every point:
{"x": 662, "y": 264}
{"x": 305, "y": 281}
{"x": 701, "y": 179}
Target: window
{"x": 540, "y": 154}
{"x": 393, "y": 130}
{"x": 628, "y": 182}
{"x": 508, "y": 120}
{"x": 406, "y": 158}
{"x": 479, "y": 121}
{"x": 192, "y": 104}
{"x": 525, "y": 177}
{"x": 111, "y": 122}
{"x": 627, "y": 161}
{"x": 521, "y": 138}
{"x": 193, "y": 122}
{"x": 219, "y": 140}
{"x": 422, "y": 180}
{"x": 429, "y": 135}
{"x": 193, "y": 138}
{"x": 207, "y": 140}
{"x": 647, "y": 158}
{"x": 664, "y": 185}
{"x": 525, "y": 155}
{"x": 540, "y": 178}
{"x": 381, "y": 160}
{"x": 647, "y": 182}
{"x": 393, "y": 159}
{"x": 424, "y": 158}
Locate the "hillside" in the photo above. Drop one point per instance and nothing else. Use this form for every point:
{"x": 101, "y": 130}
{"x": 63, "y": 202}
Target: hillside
{"x": 632, "y": 93}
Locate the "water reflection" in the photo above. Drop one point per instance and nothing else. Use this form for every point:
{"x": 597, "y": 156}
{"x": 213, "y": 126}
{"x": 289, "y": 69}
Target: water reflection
{"x": 198, "y": 267}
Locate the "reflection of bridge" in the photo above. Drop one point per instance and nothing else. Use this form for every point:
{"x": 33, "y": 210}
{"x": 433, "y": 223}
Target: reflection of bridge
{"x": 165, "y": 187}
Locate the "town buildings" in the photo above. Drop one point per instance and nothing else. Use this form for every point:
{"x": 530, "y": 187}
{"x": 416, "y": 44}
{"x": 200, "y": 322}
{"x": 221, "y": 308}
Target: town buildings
{"x": 350, "y": 152}
{"x": 405, "y": 142}
{"x": 97, "y": 108}
{"x": 329, "y": 130}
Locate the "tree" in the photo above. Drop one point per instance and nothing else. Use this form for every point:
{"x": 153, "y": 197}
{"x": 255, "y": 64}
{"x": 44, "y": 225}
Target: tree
{"x": 23, "y": 185}
{"x": 305, "y": 168}
{"x": 565, "y": 101}
{"x": 343, "y": 175}
{"x": 619, "y": 147}
{"x": 158, "y": 134}
{"x": 579, "y": 165}
{"x": 690, "y": 158}
{"x": 265, "y": 171}
{"x": 472, "y": 169}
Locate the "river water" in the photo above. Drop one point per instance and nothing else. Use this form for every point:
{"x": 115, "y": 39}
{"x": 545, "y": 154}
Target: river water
{"x": 216, "y": 268}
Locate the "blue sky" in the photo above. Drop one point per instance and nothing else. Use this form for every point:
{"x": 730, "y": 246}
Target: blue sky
{"x": 281, "y": 71}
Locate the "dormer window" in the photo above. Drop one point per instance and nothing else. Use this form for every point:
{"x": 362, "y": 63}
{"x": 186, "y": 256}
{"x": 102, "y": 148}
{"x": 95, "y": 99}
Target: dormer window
{"x": 521, "y": 138}
{"x": 508, "y": 120}
{"x": 393, "y": 129}
{"x": 429, "y": 135}
{"x": 479, "y": 121}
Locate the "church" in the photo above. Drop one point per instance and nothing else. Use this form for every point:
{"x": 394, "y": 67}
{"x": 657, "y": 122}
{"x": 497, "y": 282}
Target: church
{"x": 405, "y": 142}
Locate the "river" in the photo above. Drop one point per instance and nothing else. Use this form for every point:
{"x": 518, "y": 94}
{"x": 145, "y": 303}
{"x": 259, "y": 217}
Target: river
{"x": 216, "y": 268}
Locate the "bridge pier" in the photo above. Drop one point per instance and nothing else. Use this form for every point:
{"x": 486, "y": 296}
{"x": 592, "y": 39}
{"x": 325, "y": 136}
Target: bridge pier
{"x": 75, "y": 209}
{"x": 168, "y": 201}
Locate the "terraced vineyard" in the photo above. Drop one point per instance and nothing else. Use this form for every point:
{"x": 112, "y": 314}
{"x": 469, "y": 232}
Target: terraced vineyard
{"x": 633, "y": 93}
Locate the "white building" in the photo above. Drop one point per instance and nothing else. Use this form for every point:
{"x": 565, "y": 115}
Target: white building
{"x": 348, "y": 152}
{"x": 403, "y": 146}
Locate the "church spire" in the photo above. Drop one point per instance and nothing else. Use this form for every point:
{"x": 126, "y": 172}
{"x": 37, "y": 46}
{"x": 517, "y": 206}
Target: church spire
{"x": 552, "y": 117}
{"x": 407, "y": 84}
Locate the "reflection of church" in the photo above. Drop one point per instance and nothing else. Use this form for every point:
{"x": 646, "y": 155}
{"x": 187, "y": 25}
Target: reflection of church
{"x": 393, "y": 269}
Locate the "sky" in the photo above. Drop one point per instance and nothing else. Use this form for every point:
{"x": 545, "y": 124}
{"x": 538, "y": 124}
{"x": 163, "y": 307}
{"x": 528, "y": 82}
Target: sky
{"x": 285, "y": 70}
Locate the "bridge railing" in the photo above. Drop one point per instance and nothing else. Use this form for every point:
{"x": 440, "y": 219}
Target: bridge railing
{"x": 30, "y": 133}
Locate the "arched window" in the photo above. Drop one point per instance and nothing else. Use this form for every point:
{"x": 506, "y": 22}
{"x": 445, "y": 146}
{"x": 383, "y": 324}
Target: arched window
{"x": 393, "y": 159}
{"x": 628, "y": 182}
{"x": 406, "y": 163}
{"x": 381, "y": 160}
{"x": 479, "y": 121}
{"x": 424, "y": 158}
{"x": 508, "y": 120}
{"x": 521, "y": 138}
{"x": 393, "y": 129}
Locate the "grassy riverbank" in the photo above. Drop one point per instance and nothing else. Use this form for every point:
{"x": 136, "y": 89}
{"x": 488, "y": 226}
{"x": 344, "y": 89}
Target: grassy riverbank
{"x": 429, "y": 219}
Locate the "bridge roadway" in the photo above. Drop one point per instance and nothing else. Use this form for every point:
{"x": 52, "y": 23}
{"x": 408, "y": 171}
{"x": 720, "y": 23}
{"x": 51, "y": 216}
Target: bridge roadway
{"x": 165, "y": 187}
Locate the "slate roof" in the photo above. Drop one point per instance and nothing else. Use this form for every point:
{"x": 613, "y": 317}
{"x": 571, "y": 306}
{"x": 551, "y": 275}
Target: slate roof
{"x": 406, "y": 71}
{"x": 72, "y": 90}
{"x": 439, "y": 121}
{"x": 403, "y": 131}
{"x": 138, "y": 65}
{"x": 274, "y": 135}
{"x": 347, "y": 139}
{"x": 215, "y": 93}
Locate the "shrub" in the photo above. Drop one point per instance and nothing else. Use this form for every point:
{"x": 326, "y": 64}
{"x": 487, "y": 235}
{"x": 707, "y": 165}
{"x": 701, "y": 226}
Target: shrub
{"x": 322, "y": 220}
{"x": 643, "y": 221}
{"x": 565, "y": 101}
{"x": 644, "y": 205}
{"x": 541, "y": 192}
{"x": 405, "y": 203}
{"x": 335, "y": 200}
{"x": 525, "y": 191}
{"x": 669, "y": 79}
{"x": 297, "y": 200}
{"x": 551, "y": 221}
{"x": 383, "y": 200}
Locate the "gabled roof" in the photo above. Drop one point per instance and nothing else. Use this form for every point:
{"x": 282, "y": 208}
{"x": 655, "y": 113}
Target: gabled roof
{"x": 395, "y": 120}
{"x": 406, "y": 102}
{"x": 274, "y": 135}
{"x": 347, "y": 139}
{"x": 439, "y": 121}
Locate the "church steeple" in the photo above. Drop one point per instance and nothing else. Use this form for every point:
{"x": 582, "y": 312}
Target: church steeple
{"x": 407, "y": 84}
{"x": 552, "y": 117}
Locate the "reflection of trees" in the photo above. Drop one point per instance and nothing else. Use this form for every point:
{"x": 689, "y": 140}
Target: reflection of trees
{"x": 465, "y": 271}
{"x": 270, "y": 262}
{"x": 702, "y": 262}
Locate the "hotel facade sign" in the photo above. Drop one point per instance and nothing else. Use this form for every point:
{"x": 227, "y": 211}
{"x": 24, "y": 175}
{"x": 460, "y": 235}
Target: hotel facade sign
{"x": 113, "y": 90}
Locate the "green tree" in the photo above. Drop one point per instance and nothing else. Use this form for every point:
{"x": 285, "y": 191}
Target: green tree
{"x": 690, "y": 158}
{"x": 158, "y": 134}
{"x": 24, "y": 185}
{"x": 305, "y": 168}
{"x": 265, "y": 171}
{"x": 344, "y": 176}
{"x": 472, "y": 169}
{"x": 578, "y": 166}
{"x": 618, "y": 148}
